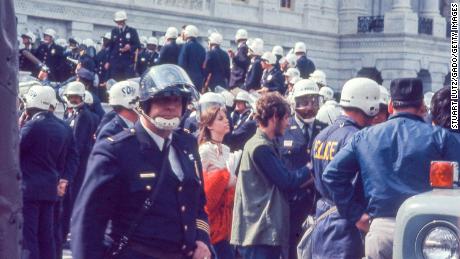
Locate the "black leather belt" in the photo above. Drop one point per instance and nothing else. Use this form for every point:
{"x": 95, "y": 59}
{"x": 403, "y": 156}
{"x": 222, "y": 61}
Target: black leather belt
{"x": 154, "y": 252}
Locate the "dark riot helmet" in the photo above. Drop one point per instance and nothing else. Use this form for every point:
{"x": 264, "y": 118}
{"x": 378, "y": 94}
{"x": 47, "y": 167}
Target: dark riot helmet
{"x": 166, "y": 80}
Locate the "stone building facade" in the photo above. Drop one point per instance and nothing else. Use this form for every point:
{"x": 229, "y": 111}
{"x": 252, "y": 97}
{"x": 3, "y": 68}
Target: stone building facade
{"x": 381, "y": 39}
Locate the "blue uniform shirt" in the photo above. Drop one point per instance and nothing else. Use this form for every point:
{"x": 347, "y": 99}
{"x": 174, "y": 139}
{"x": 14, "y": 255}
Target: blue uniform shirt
{"x": 169, "y": 53}
{"x": 394, "y": 161}
{"x": 191, "y": 59}
{"x": 254, "y": 75}
{"x": 240, "y": 65}
{"x": 217, "y": 68}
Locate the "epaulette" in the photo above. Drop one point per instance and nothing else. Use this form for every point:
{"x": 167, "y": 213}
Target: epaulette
{"x": 121, "y": 136}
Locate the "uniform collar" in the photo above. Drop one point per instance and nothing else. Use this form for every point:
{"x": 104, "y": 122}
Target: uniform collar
{"x": 407, "y": 115}
{"x": 346, "y": 120}
{"x": 159, "y": 141}
{"x": 42, "y": 113}
{"x": 128, "y": 123}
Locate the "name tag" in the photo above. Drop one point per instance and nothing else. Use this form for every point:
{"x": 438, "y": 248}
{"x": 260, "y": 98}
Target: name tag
{"x": 288, "y": 143}
{"x": 190, "y": 156}
{"x": 293, "y": 127}
{"x": 147, "y": 175}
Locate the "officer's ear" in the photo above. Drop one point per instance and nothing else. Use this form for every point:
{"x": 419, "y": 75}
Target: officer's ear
{"x": 390, "y": 107}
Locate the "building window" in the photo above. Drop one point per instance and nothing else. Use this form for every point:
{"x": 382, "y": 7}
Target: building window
{"x": 286, "y": 3}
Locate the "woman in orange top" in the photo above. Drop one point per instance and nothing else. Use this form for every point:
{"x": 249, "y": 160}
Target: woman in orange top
{"x": 219, "y": 182}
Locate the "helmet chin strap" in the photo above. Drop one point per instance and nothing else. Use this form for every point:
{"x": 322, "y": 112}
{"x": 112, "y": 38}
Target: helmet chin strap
{"x": 160, "y": 122}
{"x": 310, "y": 120}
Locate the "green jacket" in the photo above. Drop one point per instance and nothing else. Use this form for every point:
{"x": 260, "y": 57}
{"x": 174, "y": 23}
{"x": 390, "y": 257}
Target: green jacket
{"x": 261, "y": 209}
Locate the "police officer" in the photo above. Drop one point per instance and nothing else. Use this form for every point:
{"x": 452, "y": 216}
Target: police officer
{"x": 192, "y": 56}
{"x": 43, "y": 153}
{"x": 240, "y": 60}
{"x": 169, "y": 53}
{"x": 25, "y": 64}
{"x": 272, "y": 77}
{"x": 124, "y": 45}
{"x": 305, "y": 65}
{"x": 330, "y": 109}
{"x": 83, "y": 125}
{"x": 255, "y": 70}
{"x": 279, "y": 54}
{"x": 122, "y": 97}
{"x": 295, "y": 150}
{"x": 319, "y": 77}
{"x": 147, "y": 181}
{"x": 383, "y": 114}
{"x": 71, "y": 55}
{"x": 217, "y": 64}
{"x": 51, "y": 55}
{"x": 86, "y": 77}
{"x": 335, "y": 236}
{"x": 101, "y": 59}
{"x": 393, "y": 159}
{"x": 244, "y": 126}
{"x": 148, "y": 56}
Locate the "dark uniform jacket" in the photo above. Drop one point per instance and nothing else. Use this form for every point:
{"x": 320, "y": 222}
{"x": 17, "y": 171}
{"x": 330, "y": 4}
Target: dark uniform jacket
{"x": 52, "y": 56}
{"x": 191, "y": 59}
{"x": 43, "y": 152}
{"x": 254, "y": 75}
{"x": 145, "y": 60}
{"x": 121, "y": 172}
{"x": 305, "y": 66}
{"x": 24, "y": 63}
{"x": 169, "y": 53}
{"x": 122, "y": 63}
{"x": 101, "y": 58}
{"x": 217, "y": 68}
{"x": 240, "y": 66}
{"x": 273, "y": 79}
{"x": 115, "y": 126}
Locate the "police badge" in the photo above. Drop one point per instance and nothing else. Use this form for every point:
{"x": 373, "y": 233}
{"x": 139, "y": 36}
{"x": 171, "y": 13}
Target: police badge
{"x": 269, "y": 77}
{"x": 53, "y": 51}
{"x": 128, "y": 35}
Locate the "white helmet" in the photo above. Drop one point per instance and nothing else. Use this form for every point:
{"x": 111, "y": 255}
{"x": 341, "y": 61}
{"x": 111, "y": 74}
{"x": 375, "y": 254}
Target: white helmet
{"x": 327, "y": 93}
{"x": 107, "y": 35}
{"x": 75, "y": 88}
{"x": 427, "y": 99}
{"x": 30, "y": 35}
{"x": 292, "y": 72}
{"x": 124, "y": 93}
{"x": 171, "y": 33}
{"x": 161, "y": 41}
{"x": 243, "y": 96}
{"x": 52, "y": 95}
{"x": 300, "y": 47}
{"x": 362, "y": 93}
{"x": 39, "y": 97}
{"x": 305, "y": 87}
{"x": 278, "y": 50}
{"x": 384, "y": 95}
{"x": 50, "y": 32}
{"x": 179, "y": 41}
{"x": 143, "y": 40}
{"x": 319, "y": 77}
{"x": 152, "y": 41}
{"x": 120, "y": 16}
{"x": 215, "y": 38}
{"x": 291, "y": 59}
{"x": 61, "y": 42}
{"x": 191, "y": 31}
{"x": 294, "y": 80}
{"x": 241, "y": 34}
{"x": 257, "y": 47}
{"x": 269, "y": 57}
{"x": 209, "y": 99}
{"x": 88, "y": 98}
{"x": 88, "y": 43}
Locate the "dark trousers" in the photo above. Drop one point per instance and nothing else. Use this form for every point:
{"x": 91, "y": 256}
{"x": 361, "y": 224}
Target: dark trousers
{"x": 38, "y": 231}
{"x": 224, "y": 250}
{"x": 121, "y": 72}
{"x": 58, "y": 230}
{"x": 260, "y": 252}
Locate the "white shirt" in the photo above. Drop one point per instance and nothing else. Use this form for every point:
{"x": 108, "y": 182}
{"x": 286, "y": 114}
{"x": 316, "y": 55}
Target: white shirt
{"x": 213, "y": 156}
{"x": 129, "y": 123}
{"x": 304, "y": 126}
{"x": 172, "y": 156}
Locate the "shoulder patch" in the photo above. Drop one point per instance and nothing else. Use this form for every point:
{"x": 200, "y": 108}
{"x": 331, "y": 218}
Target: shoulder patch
{"x": 121, "y": 136}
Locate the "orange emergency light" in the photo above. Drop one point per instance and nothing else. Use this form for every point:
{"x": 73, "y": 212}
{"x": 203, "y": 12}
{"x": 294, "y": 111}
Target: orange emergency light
{"x": 443, "y": 174}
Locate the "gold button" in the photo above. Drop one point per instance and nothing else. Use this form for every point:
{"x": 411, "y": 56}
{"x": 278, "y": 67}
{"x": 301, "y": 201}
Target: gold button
{"x": 148, "y": 187}
{"x": 180, "y": 188}
{"x": 185, "y": 227}
{"x": 182, "y": 208}
{"x": 184, "y": 247}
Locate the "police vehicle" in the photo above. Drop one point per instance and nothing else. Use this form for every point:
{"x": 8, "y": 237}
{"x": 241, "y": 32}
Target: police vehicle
{"x": 427, "y": 225}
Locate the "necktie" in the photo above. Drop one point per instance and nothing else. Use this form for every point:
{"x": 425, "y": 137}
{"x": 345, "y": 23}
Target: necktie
{"x": 306, "y": 133}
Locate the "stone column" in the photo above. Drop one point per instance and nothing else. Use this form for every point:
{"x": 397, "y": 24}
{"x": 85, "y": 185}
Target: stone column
{"x": 430, "y": 9}
{"x": 401, "y": 18}
{"x": 349, "y": 10}
{"x": 81, "y": 29}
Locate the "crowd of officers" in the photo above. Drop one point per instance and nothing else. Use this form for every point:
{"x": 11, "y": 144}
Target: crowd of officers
{"x": 215, "y": 154}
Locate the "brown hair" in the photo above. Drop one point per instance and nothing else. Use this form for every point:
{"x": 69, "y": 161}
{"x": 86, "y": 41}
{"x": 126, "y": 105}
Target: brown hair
{"x": 270, "y": 105}
{"x": 207, "y": 118}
